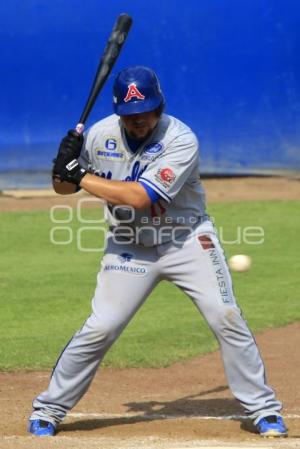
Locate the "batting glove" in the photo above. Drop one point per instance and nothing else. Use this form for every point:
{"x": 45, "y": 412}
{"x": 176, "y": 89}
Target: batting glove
{"x": 69, "y": 149}
{"x": 72, "y": 172}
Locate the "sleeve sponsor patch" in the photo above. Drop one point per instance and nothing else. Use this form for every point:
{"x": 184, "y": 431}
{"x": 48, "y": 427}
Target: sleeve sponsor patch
{"x": 165, "y": 176}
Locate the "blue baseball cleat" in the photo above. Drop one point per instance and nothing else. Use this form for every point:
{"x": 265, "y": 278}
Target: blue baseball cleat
{"x": 271, "y": 426}
{"x": 41, "y": 428}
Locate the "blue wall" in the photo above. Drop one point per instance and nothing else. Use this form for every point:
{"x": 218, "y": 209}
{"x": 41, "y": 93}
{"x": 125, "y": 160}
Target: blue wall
{"x": 229, "y": 68}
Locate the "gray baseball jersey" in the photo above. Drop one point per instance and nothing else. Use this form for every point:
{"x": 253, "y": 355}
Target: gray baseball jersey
{"x": 167, "y": 162}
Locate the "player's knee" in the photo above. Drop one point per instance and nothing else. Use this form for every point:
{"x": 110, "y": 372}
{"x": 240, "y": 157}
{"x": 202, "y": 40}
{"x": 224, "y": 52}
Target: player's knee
{"x": 221, "y": 319}
{"x": 107, "y": 331}
{"x": 101, "y": 330}
{"x": 228, "y": 323}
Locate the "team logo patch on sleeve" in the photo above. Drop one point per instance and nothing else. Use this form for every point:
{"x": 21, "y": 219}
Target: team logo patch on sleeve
{"x": 133, "y": 92}
{"x": 165, "y": 176}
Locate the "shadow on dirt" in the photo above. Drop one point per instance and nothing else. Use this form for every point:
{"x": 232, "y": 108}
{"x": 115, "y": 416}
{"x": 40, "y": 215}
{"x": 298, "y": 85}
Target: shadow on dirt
{"x": 185, "y": 407}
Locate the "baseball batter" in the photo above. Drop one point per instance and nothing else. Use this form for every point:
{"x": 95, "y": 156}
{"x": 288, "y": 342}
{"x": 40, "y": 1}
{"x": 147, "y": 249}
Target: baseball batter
{"x": 145, "y": 165}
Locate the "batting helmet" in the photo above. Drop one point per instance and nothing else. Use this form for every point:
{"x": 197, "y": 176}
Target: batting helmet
{"x": 136, "y": 89}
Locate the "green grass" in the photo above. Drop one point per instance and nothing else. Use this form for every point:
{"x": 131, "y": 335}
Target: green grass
{"x": 46, "y": 289}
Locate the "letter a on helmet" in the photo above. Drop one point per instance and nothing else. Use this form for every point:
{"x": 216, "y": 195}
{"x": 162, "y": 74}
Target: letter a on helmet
{"x": 133, "y": 92}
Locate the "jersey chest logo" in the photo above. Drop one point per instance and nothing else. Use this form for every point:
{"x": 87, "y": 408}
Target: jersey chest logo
{"x": 109, "y": 152}
{"x": 152, "y": 151}
{"x": 136, "y": 171}
{"x": 133, "y": 92}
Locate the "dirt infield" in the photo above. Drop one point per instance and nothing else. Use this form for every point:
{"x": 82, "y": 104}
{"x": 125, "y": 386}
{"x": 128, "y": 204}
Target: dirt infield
{"x": 185, "y": 405}
{"x": 167, "y": 407}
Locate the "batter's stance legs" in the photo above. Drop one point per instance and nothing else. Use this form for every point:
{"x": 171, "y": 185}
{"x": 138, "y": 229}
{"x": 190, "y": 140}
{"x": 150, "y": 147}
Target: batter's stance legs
{"x": 203, "y": 274}
{"x": 122, "y": 287}
{"x": 128, "y": 275}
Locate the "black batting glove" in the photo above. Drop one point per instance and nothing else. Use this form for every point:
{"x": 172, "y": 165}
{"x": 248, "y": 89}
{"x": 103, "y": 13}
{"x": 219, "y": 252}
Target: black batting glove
{"x": 69, "y": 149}
{"x": 71, "y": 172}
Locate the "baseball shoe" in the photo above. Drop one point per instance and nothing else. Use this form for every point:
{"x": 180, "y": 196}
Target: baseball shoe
{"x": 41, "y": 428}
{"x": 271, "y": 426}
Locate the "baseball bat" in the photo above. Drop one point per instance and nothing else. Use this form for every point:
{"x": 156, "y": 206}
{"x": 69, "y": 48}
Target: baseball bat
{"x": 111, "y": 52}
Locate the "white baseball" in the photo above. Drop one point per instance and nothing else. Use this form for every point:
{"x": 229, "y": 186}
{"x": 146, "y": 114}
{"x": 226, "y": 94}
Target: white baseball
{"x": 240, "y": 262}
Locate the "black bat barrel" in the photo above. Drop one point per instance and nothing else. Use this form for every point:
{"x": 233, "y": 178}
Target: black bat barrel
{"x": 108, "y": 59}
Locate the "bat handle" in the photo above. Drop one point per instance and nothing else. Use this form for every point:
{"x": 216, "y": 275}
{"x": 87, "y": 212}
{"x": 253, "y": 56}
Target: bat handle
{"x": 80, "y": 128}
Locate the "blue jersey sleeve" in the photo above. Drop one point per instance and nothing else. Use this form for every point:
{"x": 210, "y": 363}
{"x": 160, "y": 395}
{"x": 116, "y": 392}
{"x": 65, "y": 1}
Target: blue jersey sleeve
{"x": 154, "y": 196}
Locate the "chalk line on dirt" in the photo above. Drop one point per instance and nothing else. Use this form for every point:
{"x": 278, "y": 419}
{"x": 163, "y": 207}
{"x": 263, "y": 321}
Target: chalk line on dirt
{"x": 165, "y": 416}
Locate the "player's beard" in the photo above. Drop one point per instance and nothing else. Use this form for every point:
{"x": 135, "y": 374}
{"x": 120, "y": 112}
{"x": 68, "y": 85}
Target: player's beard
{"x": 140, "y": 133}
{"x": 140, "y": 126}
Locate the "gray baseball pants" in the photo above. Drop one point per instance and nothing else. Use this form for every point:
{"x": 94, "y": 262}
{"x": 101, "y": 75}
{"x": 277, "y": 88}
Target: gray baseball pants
{"x": 197, "y": 266}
